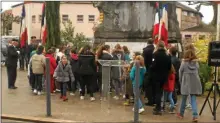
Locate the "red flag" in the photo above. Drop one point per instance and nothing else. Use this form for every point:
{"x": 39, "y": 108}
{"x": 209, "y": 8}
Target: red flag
{"x": 160, "y": 31}
{"x": 43, "y": 25}
{"x": 156, "y": 24}
{"x": 24, "y": 35}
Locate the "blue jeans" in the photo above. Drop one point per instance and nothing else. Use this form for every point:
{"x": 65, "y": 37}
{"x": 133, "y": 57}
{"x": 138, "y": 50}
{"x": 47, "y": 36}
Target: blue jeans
{"x": 193, "y": 103}
{"x": 170, "y": 97}
{"x": 63, "y": 88}
{"x": 139, "y": 100}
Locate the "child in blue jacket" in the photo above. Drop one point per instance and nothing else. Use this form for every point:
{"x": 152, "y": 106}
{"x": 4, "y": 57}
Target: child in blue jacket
{"x": 141, "y": 79}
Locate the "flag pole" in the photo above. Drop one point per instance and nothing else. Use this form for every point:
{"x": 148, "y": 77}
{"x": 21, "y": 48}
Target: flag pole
{"x": 40, "y": 31}
{"x": 160, "y": 25}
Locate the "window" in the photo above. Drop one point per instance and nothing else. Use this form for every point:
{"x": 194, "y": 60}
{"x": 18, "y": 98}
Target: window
{"x": 80, "y": 18}
{"x": 91, "y": 18}
{"x": 33, "y": 19}
{"x": 185, "y": 13}
{"x": 65, "y": 18}
{"x": 201, "y": 37}
{"x": 40, "y": 18}
{"x": 192, "y": 14}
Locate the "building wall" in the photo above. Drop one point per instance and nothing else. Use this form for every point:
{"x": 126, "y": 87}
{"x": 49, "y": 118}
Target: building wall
{"x": 179, "y": 13}
{"x": 189, "y": 19}
{"x": 197, "y": 36}
{"x": 72, "y": 10}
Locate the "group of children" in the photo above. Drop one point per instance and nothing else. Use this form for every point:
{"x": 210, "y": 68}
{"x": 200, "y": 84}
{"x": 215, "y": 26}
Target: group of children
{"x": 64, "y": 69}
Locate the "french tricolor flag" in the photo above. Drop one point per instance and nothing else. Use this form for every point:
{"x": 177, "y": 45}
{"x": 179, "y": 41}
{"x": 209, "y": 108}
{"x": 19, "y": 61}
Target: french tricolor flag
{"x": 43, "y": 25}
{"x": 160, "y": 31}
{"x": 24, "y": 35}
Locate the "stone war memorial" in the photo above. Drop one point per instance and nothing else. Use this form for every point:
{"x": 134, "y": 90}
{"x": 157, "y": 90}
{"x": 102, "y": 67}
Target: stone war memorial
{"x": 132, "y": 21}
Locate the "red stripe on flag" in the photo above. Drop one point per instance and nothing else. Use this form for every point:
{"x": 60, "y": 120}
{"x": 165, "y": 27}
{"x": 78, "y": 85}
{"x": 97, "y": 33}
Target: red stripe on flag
{"x": 44, "y": 38}
{"x": 24, "y": 38}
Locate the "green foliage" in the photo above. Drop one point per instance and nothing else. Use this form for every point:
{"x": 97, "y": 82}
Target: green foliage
{"x": 204, "y": 72}
{"x": 79, "y": 40}
{"x": 7, "y": 20}
{"x": 53, "y": 23}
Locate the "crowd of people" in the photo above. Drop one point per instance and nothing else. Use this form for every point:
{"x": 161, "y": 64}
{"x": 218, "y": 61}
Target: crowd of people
{"x": 162, "y": 75}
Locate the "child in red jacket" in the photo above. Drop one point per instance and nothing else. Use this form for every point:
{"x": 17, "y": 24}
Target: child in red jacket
{"x": 168, "y": 90}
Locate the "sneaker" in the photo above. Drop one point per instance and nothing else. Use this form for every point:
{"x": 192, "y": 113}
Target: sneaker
{"x": 39, "y": 93}
{"x": 82, "y": 97}
{"x": 189, "y": 106}
{"x": 116, "y": 97}
{"x": 57, "y": 90}
{"x": 156, "y": 112}
{"x": 171, "y": 111}
{"x": 179, "y": 116}
{"x": 92, "y": 98}
{"x": 65, "y": 98}
{"x": 195, "y": 119}
{"x": 176, "y": 104}
{"x": 126, "y": 103}
{"x": 124, "y": 96}
{"x": 141, "y": 110}
{"x": 72, "y": 94}
{"x": 61, "y": 97}
{"x": 35, "y": 91}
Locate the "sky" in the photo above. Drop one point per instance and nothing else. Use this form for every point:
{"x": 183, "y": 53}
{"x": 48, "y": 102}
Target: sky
{"x": 207, "y": 11}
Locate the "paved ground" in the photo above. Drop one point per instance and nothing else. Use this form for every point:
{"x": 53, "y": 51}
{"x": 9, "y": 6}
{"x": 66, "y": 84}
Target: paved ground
{"x": 22, "y": 102}
{"x": 13, "y": 121}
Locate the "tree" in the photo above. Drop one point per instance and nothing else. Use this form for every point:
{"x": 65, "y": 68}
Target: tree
{"x": 67, "y": 34}
{"x": 7, "y": 20}
{"x": 53, "y": 23}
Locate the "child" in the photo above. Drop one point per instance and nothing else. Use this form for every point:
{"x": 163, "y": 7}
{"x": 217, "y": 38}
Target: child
{"x": 126, "y": 79}
{"x": 37, "y": 65}
{"x": 141, "y": 79}
{"x": 63, "y": 74}
{"x": 74, "y": 64}
{"x": 190, "y": 82}
{"x": 168, "y": 90}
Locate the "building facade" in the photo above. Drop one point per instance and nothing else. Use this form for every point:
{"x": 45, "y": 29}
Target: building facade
{"x": 82, "y": 14}
{"x": 187, "y": 16}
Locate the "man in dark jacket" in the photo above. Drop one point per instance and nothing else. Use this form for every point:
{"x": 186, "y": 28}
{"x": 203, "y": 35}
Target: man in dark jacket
{"x": 11, "y": 63}
{"x": 148, "y": 55}
{"x": 161, "y": 67}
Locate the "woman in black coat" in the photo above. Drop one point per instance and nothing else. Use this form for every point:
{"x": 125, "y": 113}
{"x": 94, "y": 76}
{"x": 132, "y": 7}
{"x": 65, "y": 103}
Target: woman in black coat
{"x": 87, "y": 71}
{"x": 160, "y": 70}
{"x": 103, "y": 53}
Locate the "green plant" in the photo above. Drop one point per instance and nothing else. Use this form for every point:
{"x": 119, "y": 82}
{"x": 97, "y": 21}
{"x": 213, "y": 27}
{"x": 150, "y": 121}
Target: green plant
{"x": 204, "y": 73}
{"x": 67, "y": 34}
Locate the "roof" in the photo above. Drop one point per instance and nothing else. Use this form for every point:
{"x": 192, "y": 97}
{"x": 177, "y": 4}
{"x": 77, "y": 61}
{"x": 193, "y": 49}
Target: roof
{"x": 201, "y": 28}
{"x": 186, "y": 8}
{"x": 68, "y": 2}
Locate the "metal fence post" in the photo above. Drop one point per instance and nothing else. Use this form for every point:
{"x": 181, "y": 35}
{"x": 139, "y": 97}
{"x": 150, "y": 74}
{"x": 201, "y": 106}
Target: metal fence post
{"x": 48, "y": 98}
{"x": 137, "y": 92}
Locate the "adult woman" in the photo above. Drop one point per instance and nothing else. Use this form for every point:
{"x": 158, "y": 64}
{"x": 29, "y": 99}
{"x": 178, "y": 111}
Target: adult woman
{"x": 103, "y": 53}
{"x": 160, "y": 70}
{"x": 190, "y": 82}
{"x": 117, "y": 54}
{"x": 87, "y": 71}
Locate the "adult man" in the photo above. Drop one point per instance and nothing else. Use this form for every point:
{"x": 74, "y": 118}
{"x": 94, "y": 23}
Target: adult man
{"x": 148, "y": 56}
{"x": 11, "y": 63}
